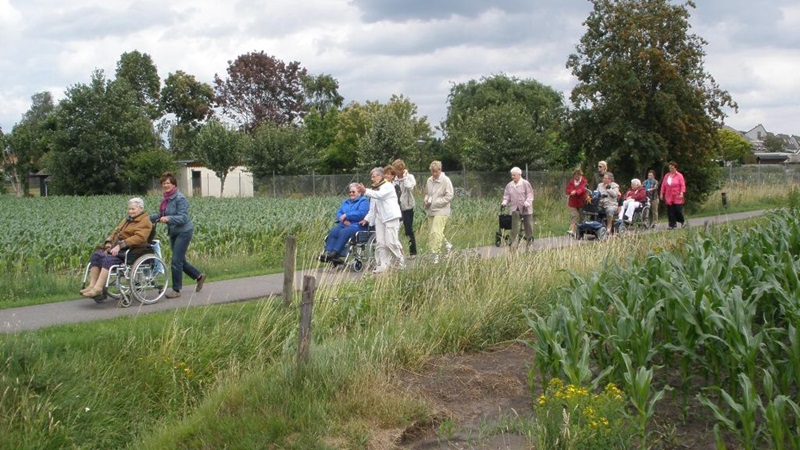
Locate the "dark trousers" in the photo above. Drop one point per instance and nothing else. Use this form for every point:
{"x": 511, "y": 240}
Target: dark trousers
{"x": 675, "y": 214}
{"x": 408, "y": 225}
{"x": 180, "y": 243}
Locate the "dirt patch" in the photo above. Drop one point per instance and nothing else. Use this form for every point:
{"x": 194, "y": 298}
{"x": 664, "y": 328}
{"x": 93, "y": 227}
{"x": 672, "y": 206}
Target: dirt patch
{"x": 475, "y": 395}
{"x": 472, "y": 393}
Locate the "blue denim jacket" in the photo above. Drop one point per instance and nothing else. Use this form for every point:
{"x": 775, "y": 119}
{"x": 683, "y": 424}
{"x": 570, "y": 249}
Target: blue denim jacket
{"x": 178, "y": 212}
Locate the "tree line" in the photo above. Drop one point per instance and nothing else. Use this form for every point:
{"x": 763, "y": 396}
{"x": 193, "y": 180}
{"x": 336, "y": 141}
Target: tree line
{"x": 642, "y": 98}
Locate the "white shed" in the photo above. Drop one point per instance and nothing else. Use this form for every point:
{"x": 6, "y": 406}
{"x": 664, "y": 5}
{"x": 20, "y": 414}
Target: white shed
{"x": 195, "y": 180}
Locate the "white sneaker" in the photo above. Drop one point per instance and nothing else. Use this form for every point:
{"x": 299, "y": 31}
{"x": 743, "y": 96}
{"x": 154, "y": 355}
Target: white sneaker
{"x": 402, "y": 263}
{"x": 448, "y": 247}
{"x": 436, "y": 259}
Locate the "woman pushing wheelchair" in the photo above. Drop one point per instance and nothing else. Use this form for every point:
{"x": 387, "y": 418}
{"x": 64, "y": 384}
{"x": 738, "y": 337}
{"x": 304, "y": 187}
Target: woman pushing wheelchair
{"x": 132, "y": 234}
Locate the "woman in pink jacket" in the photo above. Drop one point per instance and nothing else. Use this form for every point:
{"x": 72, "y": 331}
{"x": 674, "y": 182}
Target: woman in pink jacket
{"x": 673, "y": 191}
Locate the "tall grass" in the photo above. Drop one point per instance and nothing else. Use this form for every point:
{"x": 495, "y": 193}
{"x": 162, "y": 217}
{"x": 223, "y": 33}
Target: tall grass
{"x": 206, "y": 378}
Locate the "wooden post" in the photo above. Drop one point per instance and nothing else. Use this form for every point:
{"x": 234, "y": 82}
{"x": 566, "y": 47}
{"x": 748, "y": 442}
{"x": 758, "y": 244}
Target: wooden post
{"x": 288, "y": 269}
{"x": 306, "y": 309}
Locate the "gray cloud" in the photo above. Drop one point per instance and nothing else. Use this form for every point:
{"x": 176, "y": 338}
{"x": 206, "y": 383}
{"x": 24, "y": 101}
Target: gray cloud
{"x": 89, "y": 23}
{"x": 425, "y": 10}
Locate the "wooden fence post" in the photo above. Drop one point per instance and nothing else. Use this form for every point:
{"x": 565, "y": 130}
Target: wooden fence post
{"x": 306, "y": 309}
{"x": 288, "y": 269}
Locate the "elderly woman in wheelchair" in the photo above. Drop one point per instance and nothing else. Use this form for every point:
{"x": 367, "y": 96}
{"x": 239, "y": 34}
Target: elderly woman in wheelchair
{"x": 353, "y": 210}
{"x": 126, "y": 245}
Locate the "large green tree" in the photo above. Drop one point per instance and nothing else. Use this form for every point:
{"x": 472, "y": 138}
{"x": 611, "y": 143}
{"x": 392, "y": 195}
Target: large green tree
{"x": 138, "y": 70}
{"x": 322, "y": 93}
{"x": 98, "y": 127}
{"x": 281, "y": 150}
{"x": 221, "y": 149}
{"x": 261, "y": 88}
{"x": 28, "y": 142}
{"x": 191, "y": 102}
{"x": 643, "y": 96}
{"x": 502, "y": 121}
{"x": 374, "y": 134}
{"x": 393, "y": 131}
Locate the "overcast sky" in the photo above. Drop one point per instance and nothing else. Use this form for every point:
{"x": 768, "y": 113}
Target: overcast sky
{"x": 376, "y": 48}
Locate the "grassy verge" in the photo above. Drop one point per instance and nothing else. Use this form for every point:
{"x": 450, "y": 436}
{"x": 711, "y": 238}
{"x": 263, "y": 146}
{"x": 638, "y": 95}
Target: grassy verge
{"x": 205, "y": 378}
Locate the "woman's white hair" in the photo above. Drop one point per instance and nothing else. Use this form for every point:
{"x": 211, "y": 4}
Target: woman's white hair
{"x": 136, "y": 201}
{"x": 636, "y": 182}
{"x": 516, "y": 170}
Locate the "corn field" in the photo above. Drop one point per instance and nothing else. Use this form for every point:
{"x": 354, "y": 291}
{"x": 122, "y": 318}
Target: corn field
{"x": 720, "y": 313}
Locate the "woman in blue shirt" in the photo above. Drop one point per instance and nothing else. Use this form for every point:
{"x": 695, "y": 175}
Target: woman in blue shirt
{"x": 353, "y": 210}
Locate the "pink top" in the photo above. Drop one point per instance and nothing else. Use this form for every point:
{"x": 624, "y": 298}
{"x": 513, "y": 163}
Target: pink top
{"x": 673, "y": 188}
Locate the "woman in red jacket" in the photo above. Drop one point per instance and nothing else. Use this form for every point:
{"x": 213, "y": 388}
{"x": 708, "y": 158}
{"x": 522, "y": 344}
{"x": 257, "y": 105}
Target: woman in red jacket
{"x": 576, "y": 189}
{"x": 634, "y": 198}
{"x": 673, "y": 191}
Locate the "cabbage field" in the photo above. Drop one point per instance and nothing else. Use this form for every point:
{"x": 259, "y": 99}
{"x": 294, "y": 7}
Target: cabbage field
{"x": 58, "y": 233}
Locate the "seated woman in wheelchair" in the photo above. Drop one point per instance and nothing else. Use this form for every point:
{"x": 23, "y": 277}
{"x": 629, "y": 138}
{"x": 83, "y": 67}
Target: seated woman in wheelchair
{"x": 353, "y": 210}
{"x": 634, "y": 198}
{"x": 131, "y": 234}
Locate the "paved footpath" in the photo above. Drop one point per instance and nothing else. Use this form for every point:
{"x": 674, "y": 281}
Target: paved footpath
{"x": 26, "y": 318}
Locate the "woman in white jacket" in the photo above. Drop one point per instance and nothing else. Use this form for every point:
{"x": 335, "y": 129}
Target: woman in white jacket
{"x": 384, "y": 214}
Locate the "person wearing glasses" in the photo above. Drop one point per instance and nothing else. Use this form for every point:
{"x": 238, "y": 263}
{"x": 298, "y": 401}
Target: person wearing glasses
{"x": 353, "y": 210}
{"x": 602, "y": 168}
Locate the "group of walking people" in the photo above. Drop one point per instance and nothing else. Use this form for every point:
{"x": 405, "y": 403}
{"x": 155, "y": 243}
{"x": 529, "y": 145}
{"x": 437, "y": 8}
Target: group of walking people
{"x": 387, "y": 203}
{"x": 672, "y": 191}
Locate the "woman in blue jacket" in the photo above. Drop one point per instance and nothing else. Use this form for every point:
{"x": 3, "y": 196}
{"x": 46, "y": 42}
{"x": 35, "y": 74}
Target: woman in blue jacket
{"x": 353, "y": 210}
{"x": 174, "y": 211}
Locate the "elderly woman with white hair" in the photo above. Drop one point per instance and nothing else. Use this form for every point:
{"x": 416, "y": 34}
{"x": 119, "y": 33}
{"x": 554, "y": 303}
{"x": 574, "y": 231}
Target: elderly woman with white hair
{"x": 131, "y": 234}
{"x": 518, "y": 195}
{"x": 633, "y": 199}
{"x": 385, "y": 214}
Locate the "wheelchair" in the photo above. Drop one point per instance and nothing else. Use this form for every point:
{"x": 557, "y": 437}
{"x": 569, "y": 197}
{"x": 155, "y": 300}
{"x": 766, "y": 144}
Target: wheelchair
{"x": 595, "y": 220}
{"x": 640, "y": 220}
{"x": 141, "y": 276}
{"x": 360, "y": 251}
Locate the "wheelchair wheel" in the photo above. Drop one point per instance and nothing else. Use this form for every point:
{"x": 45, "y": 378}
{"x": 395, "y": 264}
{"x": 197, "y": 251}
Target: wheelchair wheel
{"x": 644, "y": 218}
{"x": 112, "y": 290}
{"x": 358, "y": 265}
{"x": 148, "y": 279}
{"x": 602, "y": 234}
{"x": 498, "y": 239}
{"x": 369, "y": 248}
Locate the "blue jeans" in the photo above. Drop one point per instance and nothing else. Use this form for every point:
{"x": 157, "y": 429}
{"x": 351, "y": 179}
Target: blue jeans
{"x": 338, "y": 237}
{"x": 180, "y": 243}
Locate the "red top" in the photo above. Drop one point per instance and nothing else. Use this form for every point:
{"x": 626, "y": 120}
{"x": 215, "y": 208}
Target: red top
{"x": 578, "y": 199}
{"x": 638, "y": 194}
